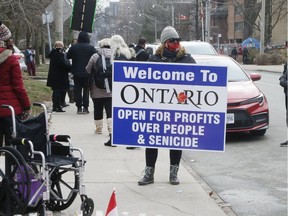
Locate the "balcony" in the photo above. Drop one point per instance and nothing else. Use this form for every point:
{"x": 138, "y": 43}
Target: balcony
{"x": 221, "y": 11}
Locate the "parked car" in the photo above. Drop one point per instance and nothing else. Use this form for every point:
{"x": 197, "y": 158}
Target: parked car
{"x": 247, "y": 108}
{"x": 192, "y": 47}
{"x": 21, "y": 58}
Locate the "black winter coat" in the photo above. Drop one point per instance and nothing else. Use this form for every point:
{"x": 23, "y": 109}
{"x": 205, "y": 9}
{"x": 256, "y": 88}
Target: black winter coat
{"x": 283, "y": 79}
{"x": 142, "y": 55}
{"x": 80, "y": 54}
{"x": 58, "y": 70}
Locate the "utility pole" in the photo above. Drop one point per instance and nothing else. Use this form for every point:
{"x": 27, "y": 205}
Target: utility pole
{"x": 207, "y": 20}
{"x": 197, "y": 20}
{"x": 262, "y": 27}
{"x": 58, "y": 13}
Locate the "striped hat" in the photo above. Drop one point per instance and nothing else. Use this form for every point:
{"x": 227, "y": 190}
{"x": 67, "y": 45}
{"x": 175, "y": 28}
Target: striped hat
{"x": 5, "y": 33}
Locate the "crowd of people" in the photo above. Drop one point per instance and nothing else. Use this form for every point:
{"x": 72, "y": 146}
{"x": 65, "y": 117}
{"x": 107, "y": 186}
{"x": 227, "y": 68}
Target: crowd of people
{"x": 77, "y": 69}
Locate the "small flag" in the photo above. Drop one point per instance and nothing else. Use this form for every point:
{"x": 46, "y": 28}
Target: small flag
{"x": 112, "y": 207}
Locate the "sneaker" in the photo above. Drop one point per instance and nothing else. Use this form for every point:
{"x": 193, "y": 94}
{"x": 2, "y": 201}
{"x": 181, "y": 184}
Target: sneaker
{"x": 85, "y": 111}
{"x": 79, "y": 110}
{"x": 284, "y": 144}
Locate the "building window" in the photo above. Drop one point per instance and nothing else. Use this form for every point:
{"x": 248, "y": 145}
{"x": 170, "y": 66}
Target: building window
{"x": 238, "y": 10}
{"x": 239, "y": 26}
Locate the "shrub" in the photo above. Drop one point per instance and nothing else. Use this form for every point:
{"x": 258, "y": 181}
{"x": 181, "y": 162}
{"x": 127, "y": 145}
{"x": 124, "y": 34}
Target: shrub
{"x": 269, "y": 59}
{"x": 277, "y": 59}
{"x": 262, "y": 59}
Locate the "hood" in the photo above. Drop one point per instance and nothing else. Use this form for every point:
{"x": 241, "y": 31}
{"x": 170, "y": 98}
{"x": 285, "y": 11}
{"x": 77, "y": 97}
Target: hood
{"x": 105, "y": 51}
{"x": 53, "y": 52}
{"x": 240, "y": 91}
{"x": 160, "y": 50}
{"x": 4, "y": 54}
{"x": 118, "y": 47}
{"x": 83, "y": 37}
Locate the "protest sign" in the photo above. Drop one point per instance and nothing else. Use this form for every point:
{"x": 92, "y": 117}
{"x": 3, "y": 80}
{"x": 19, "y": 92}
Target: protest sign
{"x": 175, "y": 106}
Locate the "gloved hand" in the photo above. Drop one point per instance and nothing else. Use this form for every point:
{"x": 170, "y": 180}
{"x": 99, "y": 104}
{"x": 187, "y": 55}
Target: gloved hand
{"x": 25, "y": 114}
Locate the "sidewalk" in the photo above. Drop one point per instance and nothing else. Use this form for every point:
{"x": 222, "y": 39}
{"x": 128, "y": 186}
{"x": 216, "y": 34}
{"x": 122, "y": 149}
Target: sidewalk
{"x": 267, "y": 68}
{"x": 108, "y": 168}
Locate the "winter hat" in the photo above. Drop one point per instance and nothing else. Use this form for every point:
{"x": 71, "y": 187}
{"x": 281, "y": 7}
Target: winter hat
{"x": 5, "y": 33}
{"x": 104, "y": 42}
{"x": 58, "y": 44}
{"x": 168, "y": 32}
{"x": 83, "y": 37}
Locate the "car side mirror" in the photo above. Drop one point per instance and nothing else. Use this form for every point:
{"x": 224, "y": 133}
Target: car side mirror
{"x": 255, "y": 76}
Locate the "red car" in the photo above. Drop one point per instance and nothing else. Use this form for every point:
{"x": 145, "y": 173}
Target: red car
{"x": 247, "y": 108}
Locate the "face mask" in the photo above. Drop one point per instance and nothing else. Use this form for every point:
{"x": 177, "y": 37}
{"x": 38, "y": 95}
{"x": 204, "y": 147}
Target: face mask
{"x": 173, "y": 47}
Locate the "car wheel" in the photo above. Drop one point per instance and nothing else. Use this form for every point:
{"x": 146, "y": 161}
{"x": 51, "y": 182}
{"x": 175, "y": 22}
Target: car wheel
{"x": 258, "y": 132}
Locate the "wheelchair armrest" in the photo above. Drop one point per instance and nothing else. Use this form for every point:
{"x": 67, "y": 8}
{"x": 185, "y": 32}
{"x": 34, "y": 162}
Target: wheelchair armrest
{"x": 59, "y": 138}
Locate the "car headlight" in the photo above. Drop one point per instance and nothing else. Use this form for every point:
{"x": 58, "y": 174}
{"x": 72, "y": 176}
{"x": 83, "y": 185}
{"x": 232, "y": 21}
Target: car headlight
{"x": 259, "y": 99}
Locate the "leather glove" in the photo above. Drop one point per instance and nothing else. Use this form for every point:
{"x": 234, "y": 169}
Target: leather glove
{"x": 25, "y": 114}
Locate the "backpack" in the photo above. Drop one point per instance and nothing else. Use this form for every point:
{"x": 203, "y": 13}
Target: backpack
{"x": 99, "y": 74}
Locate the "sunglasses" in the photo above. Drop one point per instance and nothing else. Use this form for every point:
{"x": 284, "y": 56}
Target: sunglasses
{"x": 173, "y": 40}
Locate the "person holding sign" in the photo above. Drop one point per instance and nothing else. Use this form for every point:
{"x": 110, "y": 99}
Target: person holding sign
{"x": 169, "y": 51}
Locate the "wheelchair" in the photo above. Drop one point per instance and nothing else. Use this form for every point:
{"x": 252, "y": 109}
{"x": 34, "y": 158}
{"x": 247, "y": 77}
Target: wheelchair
{"x": 38, "y": 171}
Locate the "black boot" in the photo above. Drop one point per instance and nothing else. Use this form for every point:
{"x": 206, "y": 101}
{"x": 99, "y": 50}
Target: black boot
{"x": 58, "y": 109}
{"x": 148, "y": 178}
{"x": 173, "y": 175}
{"x": 108, "y": 143}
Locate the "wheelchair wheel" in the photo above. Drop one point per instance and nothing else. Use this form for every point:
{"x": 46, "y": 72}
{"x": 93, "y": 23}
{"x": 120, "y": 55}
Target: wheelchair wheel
{"x": 14, "y": 182}
{"x": 87, "y": 207}
{"x": 64, "y": 188}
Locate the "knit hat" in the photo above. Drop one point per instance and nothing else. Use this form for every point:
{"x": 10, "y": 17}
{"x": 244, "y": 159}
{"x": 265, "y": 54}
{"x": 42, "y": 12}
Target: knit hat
{"x": 58, "y": 44}
{"x": 104, "y": 42}
{"x": 5, "y": 33}
{"x": 168, "y": 32}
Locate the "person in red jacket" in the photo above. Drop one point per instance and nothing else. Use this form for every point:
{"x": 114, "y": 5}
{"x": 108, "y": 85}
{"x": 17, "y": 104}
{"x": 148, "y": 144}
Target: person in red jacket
{"x": 12, "y": 91}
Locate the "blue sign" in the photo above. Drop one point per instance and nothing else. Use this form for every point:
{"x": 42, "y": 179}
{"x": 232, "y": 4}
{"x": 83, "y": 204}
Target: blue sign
{"x": 174, "y": 106}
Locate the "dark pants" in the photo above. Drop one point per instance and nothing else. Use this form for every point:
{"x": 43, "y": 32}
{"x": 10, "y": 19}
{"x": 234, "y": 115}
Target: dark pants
{"x": 286, "y": 101}
{"x": 57, "y": 98}
{"x": 245, "y": 59}
{"x": 152, "y": 154}
{"x": 31, "y": 68}
{"x": 99, "y": 105}
{"x": 81, "y": 90}
{"x": 5, "y": 131}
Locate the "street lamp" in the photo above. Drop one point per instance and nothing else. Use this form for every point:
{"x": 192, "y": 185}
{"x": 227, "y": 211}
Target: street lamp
{"x": 172, "y": 11}
{"x": 125, "y": 26}
{"x": 155, "y": 25}
{"x": 135, "y": 23}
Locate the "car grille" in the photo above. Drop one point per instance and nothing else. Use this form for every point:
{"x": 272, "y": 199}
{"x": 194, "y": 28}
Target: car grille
{"x": 242, "y": 120}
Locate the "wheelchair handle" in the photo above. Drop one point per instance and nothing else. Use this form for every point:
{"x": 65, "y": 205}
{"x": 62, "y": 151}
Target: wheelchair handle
{"x": 5, "y": 106}
{"x": 20, "y": 141}
{"x": 60, "y": 138}
{"x": 37, "y": 104}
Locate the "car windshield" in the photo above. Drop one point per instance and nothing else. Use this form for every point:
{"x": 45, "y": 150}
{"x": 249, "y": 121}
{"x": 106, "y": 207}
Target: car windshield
{"x": 235, "y": 73}
{"x": 199, "y": 49}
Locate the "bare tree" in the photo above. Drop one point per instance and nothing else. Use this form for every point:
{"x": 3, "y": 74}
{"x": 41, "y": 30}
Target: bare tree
{"x": 275, "y": 11}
